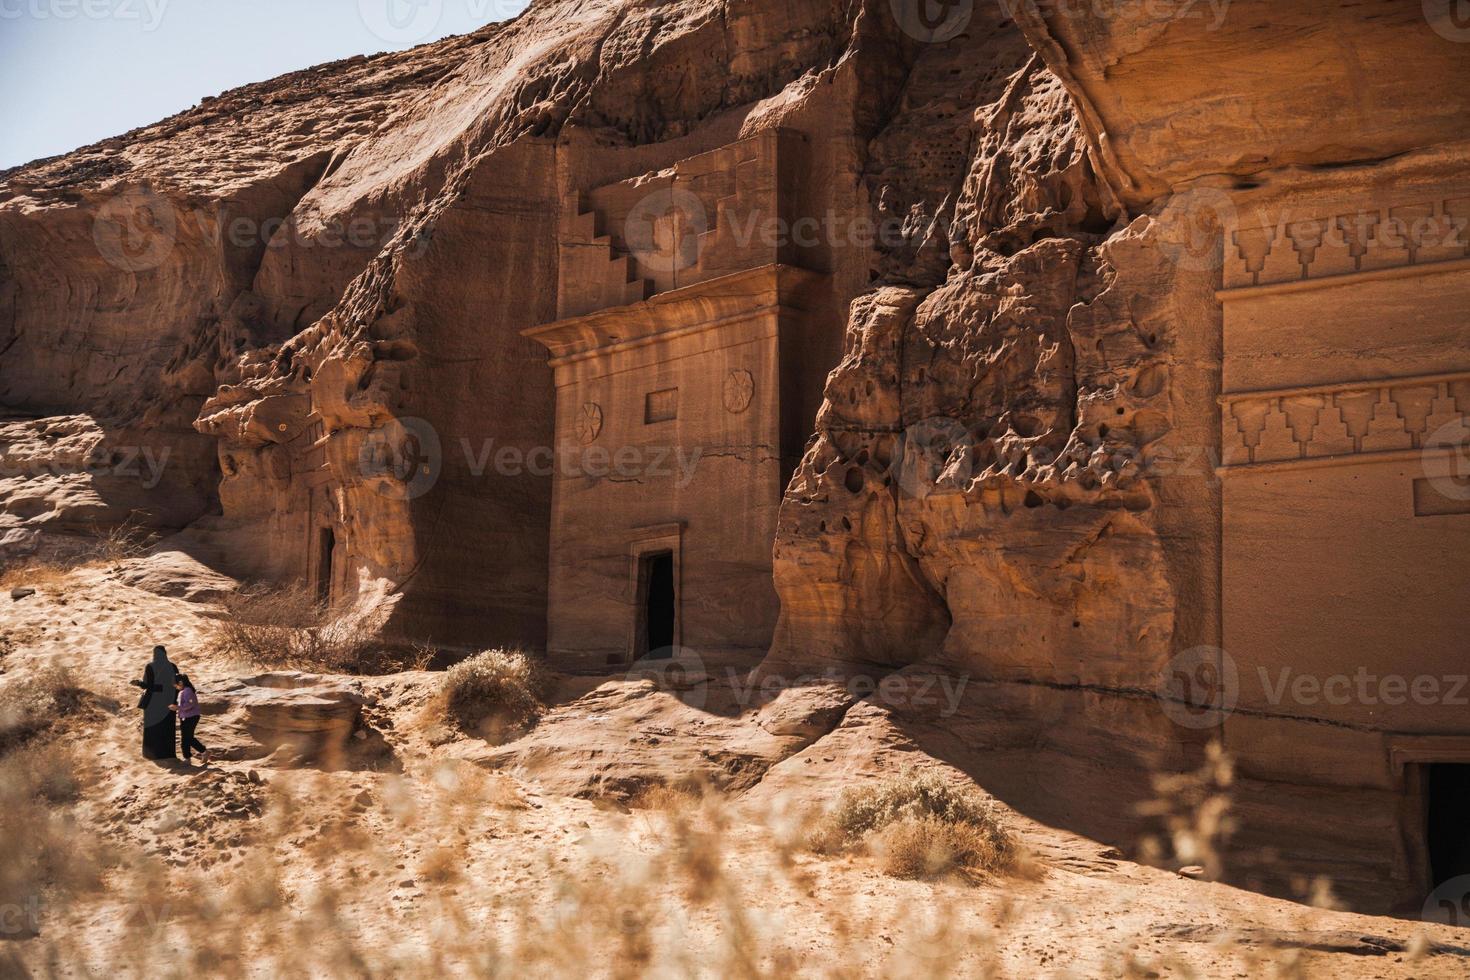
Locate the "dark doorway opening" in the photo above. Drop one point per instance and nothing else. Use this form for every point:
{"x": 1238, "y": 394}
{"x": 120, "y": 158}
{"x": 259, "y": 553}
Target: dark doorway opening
{"x": 327, "y": 542}
{"x": 1448, "y": 823}
{"x": 657, "y": 573}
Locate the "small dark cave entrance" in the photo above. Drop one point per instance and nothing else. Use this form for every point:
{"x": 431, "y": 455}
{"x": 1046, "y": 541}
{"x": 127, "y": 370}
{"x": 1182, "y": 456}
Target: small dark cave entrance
{"x": 656, "y": 572}
{"x": 1447, "y": 823}
{"x": 326, "y": 544}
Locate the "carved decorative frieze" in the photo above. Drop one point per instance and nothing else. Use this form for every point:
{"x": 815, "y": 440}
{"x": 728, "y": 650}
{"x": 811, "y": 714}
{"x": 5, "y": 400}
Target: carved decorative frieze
{"x": 1341, "y": 419}
{"x": 1294, "y": 250}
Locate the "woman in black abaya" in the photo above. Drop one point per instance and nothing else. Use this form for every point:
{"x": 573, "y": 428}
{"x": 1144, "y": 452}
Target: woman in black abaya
{"x": 158, "y": 694}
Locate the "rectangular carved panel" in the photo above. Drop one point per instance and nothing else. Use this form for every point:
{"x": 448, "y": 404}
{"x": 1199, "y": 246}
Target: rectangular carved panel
{"x": 661, "y": 406}
{"x": 1437, "y": 496}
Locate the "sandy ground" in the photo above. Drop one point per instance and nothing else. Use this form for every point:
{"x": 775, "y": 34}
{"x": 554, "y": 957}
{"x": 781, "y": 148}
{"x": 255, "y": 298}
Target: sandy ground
{"x": 430, "y": 860}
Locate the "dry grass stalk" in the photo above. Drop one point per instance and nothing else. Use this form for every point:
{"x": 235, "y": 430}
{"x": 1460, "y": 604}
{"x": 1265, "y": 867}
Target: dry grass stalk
{"x": 1192, "y": 810}
{"x": 306, "y": 897}
{"x": 113, "y": 546}
{"x": 118, "y": 544}
{"x": 43, "y": 856}
{"x": 667, "y": 798}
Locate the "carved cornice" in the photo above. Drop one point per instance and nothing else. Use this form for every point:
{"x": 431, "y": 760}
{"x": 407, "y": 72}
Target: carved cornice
{"x": 702, "y": 306}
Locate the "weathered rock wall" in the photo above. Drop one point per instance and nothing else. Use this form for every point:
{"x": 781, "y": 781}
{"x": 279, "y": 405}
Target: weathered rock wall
{"x": 976, "y": 487}
{"x": 1012, "y": 475}
{"x": 385, "y": 420}
{"x": 1015, "y": 470}
{"x": 143, "y": 272}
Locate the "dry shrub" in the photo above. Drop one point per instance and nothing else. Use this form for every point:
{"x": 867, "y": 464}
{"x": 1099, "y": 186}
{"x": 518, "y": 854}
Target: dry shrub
{"x": 41, "y": 849}
{"x": 39, "y": 573}
{"x": 922, "y": 825}
{"x": 123, "y": 542}
{"x": 667, "y": 798}
{"x": 269, "y": 626}
{"x": 292, "y": 628}
{"x": 441, "y": 865}
{"x": 113, "y": 546}
{"x": 921, "y": 847}
{"x": 33, "y": 703}
{"x": 496, "y": 692}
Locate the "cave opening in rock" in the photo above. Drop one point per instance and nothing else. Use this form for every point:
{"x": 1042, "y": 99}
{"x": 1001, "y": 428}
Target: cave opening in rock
{"x": 1448, "y": 823}
{"x": 657, "y": 573}
{"x": 326, "y": 544}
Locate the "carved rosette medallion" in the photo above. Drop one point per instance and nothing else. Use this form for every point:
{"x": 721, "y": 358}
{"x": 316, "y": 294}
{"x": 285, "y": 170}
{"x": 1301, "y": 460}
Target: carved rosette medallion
{"x": 739, "y": 389}
{"x": 589, "y": 423}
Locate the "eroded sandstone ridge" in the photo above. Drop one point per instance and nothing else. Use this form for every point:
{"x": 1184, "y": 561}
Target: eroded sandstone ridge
{"x": 1124, "y": 372}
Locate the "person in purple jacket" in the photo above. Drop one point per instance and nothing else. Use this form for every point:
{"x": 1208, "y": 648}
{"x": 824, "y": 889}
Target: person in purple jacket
{"x": 187, "y": 706}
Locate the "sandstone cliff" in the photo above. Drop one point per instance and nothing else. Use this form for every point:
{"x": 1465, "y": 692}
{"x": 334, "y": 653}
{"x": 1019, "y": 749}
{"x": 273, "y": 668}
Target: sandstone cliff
{"x": 311, "y": 291}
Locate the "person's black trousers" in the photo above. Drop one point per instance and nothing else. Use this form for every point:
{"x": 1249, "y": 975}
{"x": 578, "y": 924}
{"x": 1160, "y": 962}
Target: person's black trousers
{"x": 187, "y": 741}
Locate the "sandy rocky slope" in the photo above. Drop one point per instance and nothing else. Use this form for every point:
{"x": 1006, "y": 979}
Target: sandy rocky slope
{"x": 433, "y": 844}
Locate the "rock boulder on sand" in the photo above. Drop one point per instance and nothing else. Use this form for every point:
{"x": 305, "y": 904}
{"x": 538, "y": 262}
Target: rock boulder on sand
{"x": 309, "y": 715}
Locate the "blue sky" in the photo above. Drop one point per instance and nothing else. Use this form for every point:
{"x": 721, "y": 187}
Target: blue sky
{"x": 76, "y": 71}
